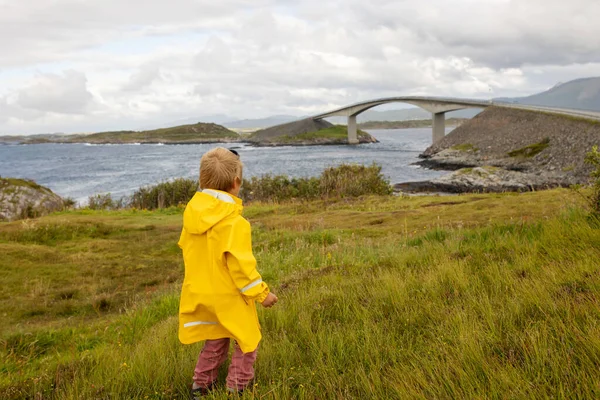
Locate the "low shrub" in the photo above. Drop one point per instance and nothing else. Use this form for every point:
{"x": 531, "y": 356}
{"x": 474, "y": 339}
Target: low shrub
{"x": 165, "y": 194}
{"x": 105, "y": 202}
{"x": 351, "y": 180}
{"x": 345, "y": 180}
{"x": 275, "y": 188}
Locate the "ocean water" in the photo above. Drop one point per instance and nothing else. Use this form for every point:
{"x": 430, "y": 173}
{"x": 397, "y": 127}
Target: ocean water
{"x": 81, "y": 170}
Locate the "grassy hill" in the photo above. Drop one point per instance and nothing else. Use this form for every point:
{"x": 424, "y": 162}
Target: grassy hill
{"x": 199, "y": 132}
{"x": 306, "y": 132}
{"x": 336, "y": 134}
{"x": 474, "y": 296}
{"x": 194, "y": 133}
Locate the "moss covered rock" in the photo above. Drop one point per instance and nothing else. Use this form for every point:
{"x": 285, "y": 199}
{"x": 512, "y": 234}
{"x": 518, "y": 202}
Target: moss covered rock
{"x": 22, "y": 198}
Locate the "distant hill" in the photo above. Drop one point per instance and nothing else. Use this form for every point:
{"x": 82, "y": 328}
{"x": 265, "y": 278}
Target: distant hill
{"x": 195, "y": 133}
{"x": 261, "y": 122}
{"x": 213, "y": 118}
{"x": 581, "y": 94}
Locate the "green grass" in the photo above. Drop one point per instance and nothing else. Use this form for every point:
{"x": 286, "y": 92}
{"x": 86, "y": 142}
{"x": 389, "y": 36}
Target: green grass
{"x": 342, "y": 181}
{"x": 338, "y": 133}
{"x": 474, "y": 296}
{"x": 464, "y": 147}
{"x": 12, "y": 182}
{"x": 179, "y": 134}
{"x": 531, "y": 150}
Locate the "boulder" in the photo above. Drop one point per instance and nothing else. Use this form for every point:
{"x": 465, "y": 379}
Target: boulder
{"x": 22, "y": 198}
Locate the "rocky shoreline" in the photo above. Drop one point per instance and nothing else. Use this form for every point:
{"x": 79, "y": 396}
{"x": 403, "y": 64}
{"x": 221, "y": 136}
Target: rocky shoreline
{"x": 482, "y": 180}
{"x": 503, "y": 150}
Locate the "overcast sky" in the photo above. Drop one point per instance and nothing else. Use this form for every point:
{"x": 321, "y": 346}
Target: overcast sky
{"x": 90, "y": 65}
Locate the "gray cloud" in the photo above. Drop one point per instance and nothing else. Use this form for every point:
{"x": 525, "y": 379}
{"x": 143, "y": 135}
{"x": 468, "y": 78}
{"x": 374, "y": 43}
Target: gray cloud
{"x": 66, "y": 94}
{"x": 142, "y": 61}
{"x": 142, "y": 78}
{"x": 497, "y": 33}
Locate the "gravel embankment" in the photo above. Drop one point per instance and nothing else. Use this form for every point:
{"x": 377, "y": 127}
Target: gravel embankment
{"x": 546, "y": 150}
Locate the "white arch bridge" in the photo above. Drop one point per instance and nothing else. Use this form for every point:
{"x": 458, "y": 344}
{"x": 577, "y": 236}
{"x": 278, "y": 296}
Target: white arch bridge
{"x": 438, "y": 107}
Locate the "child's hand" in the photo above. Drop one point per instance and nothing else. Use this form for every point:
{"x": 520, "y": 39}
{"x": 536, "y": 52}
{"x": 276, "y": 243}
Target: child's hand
{"x": 270, "y": 301}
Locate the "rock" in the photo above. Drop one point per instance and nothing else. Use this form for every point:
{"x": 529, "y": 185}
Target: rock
{"x": 485, "y": 179}
{"x": 21, "y": 198}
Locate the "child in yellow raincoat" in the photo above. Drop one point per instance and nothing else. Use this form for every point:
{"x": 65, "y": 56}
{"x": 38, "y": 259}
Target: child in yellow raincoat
{"x": 221, "y": 283}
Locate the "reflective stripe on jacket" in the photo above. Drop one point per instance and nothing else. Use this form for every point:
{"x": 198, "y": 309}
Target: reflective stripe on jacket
{"x": 221, "y": 282}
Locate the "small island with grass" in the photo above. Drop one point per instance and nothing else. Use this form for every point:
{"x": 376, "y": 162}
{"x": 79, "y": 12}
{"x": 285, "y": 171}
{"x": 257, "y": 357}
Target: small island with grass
{"x": 183, "y": 134}
{"x": 306, "y": 132}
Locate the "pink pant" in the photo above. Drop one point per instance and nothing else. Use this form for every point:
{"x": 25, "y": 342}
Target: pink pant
{"x": 214, "y": 354}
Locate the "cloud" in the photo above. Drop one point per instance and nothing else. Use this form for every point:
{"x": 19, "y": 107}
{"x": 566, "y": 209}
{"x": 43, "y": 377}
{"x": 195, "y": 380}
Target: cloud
{"x": 63, "y": 94}
{"x": 94, "y": 65}
{"x": 142, "y": 78}
{"x": 497, "y": 33}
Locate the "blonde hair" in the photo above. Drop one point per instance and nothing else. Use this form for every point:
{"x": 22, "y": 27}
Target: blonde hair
{"x": 218, "y": 169}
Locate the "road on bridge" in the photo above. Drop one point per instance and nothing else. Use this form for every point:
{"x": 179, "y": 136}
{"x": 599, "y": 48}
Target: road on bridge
{"x": 438, "y": 107}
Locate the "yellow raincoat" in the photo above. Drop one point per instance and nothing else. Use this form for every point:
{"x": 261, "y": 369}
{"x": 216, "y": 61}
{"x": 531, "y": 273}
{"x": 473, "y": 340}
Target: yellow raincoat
{"x": 221, "y": 282}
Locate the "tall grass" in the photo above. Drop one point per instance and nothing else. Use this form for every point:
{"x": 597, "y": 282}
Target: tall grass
{"x": 593, "y": 158}
{"x": 345, "y": 180}
{"x": 351, "y": 180}
{"x": 379, "y": 298}
{"x": 165, "y": 194}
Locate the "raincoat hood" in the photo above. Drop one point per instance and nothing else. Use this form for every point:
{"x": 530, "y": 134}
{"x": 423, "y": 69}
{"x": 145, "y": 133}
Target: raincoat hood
{"x": 209, "y": 207}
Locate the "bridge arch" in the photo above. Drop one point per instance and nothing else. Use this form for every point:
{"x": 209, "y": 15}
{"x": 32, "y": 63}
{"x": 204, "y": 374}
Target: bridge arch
{"x": 437, "y": 106}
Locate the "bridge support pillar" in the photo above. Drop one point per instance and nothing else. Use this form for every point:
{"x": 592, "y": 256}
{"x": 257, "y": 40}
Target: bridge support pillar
{"x": 439, "y": 126}
{"x": 352, "y": 131}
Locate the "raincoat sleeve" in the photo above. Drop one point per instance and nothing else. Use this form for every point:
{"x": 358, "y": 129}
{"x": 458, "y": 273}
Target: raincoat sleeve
{"x": 182, "y": 238}
{"x": 242, "y": 264}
